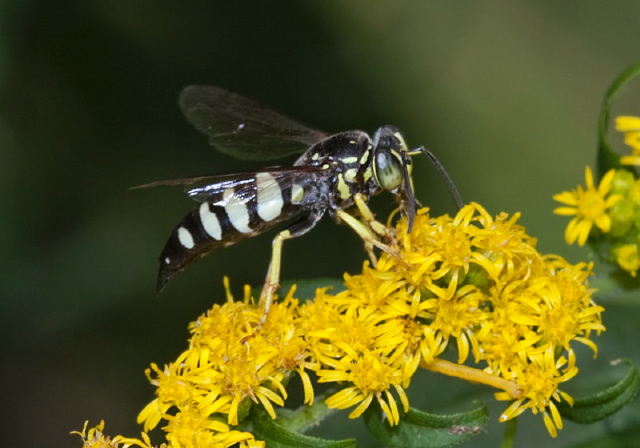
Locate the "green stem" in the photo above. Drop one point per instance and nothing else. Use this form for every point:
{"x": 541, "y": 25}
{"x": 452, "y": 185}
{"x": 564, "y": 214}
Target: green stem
{"x": 303, "y": 418}
{"x": 509, "y": 433}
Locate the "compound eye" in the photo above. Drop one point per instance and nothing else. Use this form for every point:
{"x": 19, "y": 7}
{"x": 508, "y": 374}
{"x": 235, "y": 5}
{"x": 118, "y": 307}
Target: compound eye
{"x": 389, "y": 173}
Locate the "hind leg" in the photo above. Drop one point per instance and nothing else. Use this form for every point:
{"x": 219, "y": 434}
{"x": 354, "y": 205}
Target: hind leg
{"x": 272, "y": 282}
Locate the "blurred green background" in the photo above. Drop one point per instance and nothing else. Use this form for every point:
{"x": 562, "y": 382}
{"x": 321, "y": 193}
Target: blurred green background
{"x": 505, "y": 93}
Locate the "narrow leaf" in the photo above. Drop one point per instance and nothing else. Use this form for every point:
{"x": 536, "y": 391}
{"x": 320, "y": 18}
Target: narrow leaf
{"x": 602, "y": 404}
{"x": 277, "y": 436}
{"x": 421, "y": 429}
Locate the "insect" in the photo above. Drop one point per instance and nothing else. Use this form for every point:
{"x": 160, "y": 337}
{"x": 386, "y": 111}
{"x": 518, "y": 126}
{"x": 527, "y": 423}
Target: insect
{"x": 335, "y": 174}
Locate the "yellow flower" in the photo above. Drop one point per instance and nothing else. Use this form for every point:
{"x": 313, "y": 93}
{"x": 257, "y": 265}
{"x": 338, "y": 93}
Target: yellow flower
{"x": 445, "y": 256}
{"x": 364, "y": 336}
{"x": 631, "y": 128}
{"x": 372, "y": 376}
{"x": 172, "y": 388}
{"x": 457, "y": 318}
{"x": 589, "y": 206}
{"x": 95, "y": 438}
{"x": 209, "y": 387}
{"x": 189, "y": 428}
{"x": 539, "y": 379}
{"x": 474, "y": 280}
{"x": 628, "y": 258}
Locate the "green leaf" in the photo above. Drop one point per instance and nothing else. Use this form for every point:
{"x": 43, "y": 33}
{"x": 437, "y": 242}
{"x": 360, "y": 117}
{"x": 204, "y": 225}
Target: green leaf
{"x": 603, "y": 404}
{"x": 607, "y": 158}
{"x": 277, "y": 436}
{"x": 421, "y": 429}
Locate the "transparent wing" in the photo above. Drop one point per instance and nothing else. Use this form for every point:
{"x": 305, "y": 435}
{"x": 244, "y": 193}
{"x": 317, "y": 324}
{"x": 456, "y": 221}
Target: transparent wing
{"x": 243, "y": 128}
{"x": 248, "y": 185}
{"x": 190, "y": 182}
{"x": 245, "y": 185}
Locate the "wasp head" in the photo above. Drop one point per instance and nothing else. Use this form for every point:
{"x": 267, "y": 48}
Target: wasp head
{"x": 392, "y": 166}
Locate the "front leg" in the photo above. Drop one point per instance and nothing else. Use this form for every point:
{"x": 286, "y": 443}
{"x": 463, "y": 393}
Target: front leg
{"x": 367, "y": 215}
{"x": 369, "y": 229}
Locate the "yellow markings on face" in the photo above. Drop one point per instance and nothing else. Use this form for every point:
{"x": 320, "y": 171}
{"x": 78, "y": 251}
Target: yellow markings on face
{"x": 325, "y": 166}
{"x": 352, "y": 142}
{"x": 367, "y": 174}
{"x": 343, "y": 188}
{"x": 400, "y": 137}
{"x": 316, "y": 156}
{"x": 409, "y": 166}
{"x": 365, "y": 157}
{"x": 350, "y": 174}
{"x": 349, "y": 160}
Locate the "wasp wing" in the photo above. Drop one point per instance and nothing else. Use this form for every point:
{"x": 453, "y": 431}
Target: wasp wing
{"x": 245, "y": 184}
{"x": 243, "y": 128}
{"x": 191, "y": 182}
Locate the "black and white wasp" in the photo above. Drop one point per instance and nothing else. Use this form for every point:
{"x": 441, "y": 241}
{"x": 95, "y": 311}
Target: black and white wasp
{"x": 335, "y": 173}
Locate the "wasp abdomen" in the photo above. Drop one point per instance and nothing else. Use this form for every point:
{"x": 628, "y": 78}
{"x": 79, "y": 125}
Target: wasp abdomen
{"x": 230, "y": 217}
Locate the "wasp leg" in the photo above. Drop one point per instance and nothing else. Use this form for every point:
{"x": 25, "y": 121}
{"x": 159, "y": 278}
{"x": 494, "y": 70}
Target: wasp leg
{"x": 272, "y": 282}
{"x": 367, "y": 216}
{"x": 366, "y": 233}
{"x": 369, "y": 229}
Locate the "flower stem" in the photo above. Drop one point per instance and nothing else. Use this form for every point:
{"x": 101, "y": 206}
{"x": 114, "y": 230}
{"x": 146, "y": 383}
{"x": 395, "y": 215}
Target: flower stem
{"x": 305, "y": 417}
{"x": 475, "y": 376}
{"x": 509, "y": 433}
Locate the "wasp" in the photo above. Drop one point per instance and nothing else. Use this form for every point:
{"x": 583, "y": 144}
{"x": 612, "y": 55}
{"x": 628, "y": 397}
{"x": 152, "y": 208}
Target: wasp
{"x": 334, "y": 175}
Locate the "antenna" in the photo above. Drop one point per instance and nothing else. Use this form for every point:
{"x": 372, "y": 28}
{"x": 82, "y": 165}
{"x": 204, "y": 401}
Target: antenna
{"x": 445, "y": 176}
{"x": 411, "y": 198}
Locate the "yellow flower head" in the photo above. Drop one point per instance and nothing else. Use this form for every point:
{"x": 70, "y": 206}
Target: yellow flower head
{"x": 539, "y": 379}
{"x": 628, "y": 258}
{"x": 372, "y": 376}
{"x": 631, "y": 128}
{"x": 95, "y": 438}
{"x": 473, "y": 280}
{"x": 206, "y": 390}
{"x": 589, "y": 206}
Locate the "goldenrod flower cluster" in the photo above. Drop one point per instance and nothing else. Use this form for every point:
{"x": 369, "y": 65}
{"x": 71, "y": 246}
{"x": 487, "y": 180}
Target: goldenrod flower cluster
{"x": 473, "y": 283}
{"x": 609, "y": 212}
